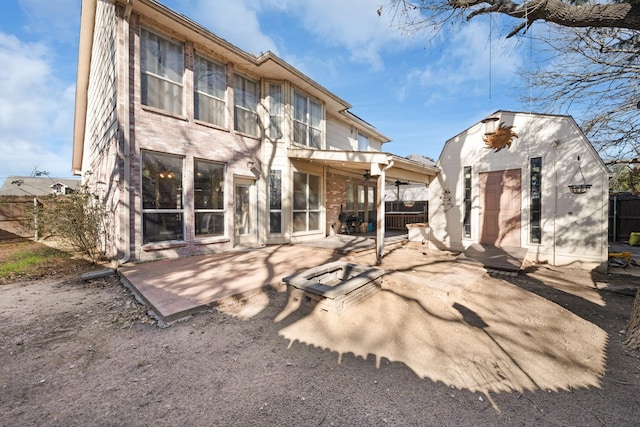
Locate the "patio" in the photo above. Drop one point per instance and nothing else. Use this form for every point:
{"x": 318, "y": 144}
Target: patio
{"x": 177, "y": 288}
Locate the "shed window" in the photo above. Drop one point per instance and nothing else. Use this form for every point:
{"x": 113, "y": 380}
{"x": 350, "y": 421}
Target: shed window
{"x": 466, "y": 223}
{"x": 536, "y": 200}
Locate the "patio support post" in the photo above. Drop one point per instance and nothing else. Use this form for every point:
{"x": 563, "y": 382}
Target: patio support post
{"x": 380, "y": 222}
{"x": 380, "y": 218}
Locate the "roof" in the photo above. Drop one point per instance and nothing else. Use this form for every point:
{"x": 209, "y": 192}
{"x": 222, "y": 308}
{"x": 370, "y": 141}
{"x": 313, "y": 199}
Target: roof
{"x": 427, "y": 161}
{"x": 371, "y": 161}
{"x": 501, "y": 113}
{"x": 35, "y": 186}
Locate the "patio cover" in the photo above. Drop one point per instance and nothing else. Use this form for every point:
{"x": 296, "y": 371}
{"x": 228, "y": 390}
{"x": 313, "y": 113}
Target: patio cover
{"x": 384, "y": 166}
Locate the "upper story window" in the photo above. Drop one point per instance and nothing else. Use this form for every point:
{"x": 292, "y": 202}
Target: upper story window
{"x": 209, "y": 86}
{"x": 161, "y": 69}
{"x": 363, "y": 142}
{"x": 307, "y": 121}
{"x": 245, "y": 95}
{"x": 276, "y": 113}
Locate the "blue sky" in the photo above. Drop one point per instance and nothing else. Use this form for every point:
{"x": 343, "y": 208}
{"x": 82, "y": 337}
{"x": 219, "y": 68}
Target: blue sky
{"x": 417, "y": 91}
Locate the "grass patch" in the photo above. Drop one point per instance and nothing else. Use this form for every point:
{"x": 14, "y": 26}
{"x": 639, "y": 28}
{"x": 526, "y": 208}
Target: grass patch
{"x": 29, "y": 259}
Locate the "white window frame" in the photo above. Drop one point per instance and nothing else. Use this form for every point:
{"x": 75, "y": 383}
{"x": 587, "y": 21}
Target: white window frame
{"x": 205, "y": 223}
{"x": 244, "y": 106}
{"x": 275, "y": 198}
{"x": 308, "y": 210}
{"x": 212, "y": 93}
{"x": 363, "y": 142}
{"x": 155, "y": 177}
{"x": 276, "y": 111}
{"x": 303, "y": 121}
{"x": 173, "y": 104}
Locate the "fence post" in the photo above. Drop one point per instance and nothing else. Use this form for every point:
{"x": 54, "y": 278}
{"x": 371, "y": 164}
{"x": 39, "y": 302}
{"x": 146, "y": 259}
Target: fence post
{"x": 35, "y": 217}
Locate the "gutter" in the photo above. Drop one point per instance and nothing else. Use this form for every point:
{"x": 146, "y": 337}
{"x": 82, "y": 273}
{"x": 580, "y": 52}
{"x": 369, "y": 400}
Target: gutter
{"x": 85, "y": 46}
{"x": 126, "y": 143}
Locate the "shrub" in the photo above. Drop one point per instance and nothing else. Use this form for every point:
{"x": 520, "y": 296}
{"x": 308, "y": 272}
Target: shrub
{"x": 79, "y": 219}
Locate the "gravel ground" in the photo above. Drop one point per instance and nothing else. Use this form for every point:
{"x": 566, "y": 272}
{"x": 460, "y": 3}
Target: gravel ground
{"x": 541, "y": 348}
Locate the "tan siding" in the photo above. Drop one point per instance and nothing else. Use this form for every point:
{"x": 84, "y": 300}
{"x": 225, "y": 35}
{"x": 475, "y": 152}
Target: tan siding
{"x": 339, "y": 135}
{"x": 102, "y": 123}
{"x": 101, "y": 153}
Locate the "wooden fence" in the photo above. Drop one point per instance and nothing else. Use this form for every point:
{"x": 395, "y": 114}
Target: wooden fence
{"x": 15, "y": 214}
{"x": 624, "y": 216}
{"x": 398, "y": 215}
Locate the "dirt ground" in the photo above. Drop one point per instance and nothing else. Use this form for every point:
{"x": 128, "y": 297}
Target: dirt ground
{"x": 540, "y": 348}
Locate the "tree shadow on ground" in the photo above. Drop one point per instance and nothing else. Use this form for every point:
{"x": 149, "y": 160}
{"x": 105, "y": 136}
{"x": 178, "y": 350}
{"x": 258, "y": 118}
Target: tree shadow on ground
{"x": 491, "y": 336}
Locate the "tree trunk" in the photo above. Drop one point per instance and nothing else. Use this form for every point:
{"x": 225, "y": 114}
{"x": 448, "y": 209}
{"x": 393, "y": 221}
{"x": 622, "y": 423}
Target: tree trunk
{"x": 633, "y": 327}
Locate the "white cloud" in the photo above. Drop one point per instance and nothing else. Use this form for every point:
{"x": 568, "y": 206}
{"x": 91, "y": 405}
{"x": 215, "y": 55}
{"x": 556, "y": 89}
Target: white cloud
{"x": 468, "y": 63}
{"x": 354, "y": 25}
{"x": 36, "y": 111}
{"x": 236, "y": 21}
{"x": 57, "y": 19}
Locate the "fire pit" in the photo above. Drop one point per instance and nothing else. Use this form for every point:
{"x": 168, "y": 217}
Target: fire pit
{"x": 336, "y": 286}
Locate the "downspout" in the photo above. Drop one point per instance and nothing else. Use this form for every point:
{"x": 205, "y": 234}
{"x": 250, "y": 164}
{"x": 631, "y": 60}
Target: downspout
{"x": 126, "y": 135}
{"x": 555, "y": 196}
{"x": 381, "y": 213}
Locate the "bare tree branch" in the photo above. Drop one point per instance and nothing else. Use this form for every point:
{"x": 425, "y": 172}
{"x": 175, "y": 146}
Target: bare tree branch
{"x": 625, "y": 15}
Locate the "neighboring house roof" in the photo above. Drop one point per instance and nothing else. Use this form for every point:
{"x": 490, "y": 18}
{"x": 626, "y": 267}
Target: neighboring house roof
{"x": 37, "y": 186}
{"x": 427, "y": 161}
{"x": 410, "y": 191}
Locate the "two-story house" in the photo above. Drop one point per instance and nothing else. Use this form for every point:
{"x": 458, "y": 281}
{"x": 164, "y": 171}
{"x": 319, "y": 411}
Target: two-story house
{"x": 196, "y": 146}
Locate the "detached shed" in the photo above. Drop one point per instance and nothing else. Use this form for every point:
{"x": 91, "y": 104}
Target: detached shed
{"x": 523, "y": 180}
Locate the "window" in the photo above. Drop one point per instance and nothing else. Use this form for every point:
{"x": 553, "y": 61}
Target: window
{"x": 275, "y": 202}
{"x": 245, "y": 95}
{"x": 306, "y": 202}
{"x": 161, "y": 69}
{"x": 162, "y": 206}
{"x": 210, "y": 85}
{"x": 363, "y": 142}
{"x": 275, "y": 111}
{"x": 208, "y": 185}
{"x": 536, "y": 200}
{"x": 466, "y": 223}
{"x": 307, "y": 119}
{"x": 351, "y": 197}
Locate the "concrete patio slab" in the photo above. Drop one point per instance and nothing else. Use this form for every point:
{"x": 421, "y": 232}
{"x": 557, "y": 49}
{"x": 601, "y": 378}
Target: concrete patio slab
{"x": 489, "y": 256}
{"x": 176, "y": 288}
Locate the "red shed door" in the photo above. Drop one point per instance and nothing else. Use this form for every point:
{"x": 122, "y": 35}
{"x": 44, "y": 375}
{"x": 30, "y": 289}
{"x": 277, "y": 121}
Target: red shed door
{"x": 500, "y": 208}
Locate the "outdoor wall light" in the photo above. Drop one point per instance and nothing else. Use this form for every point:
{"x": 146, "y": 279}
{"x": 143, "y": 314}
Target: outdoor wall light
{"x": 250, "y": 165}
{"x": 490, "y": 125}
